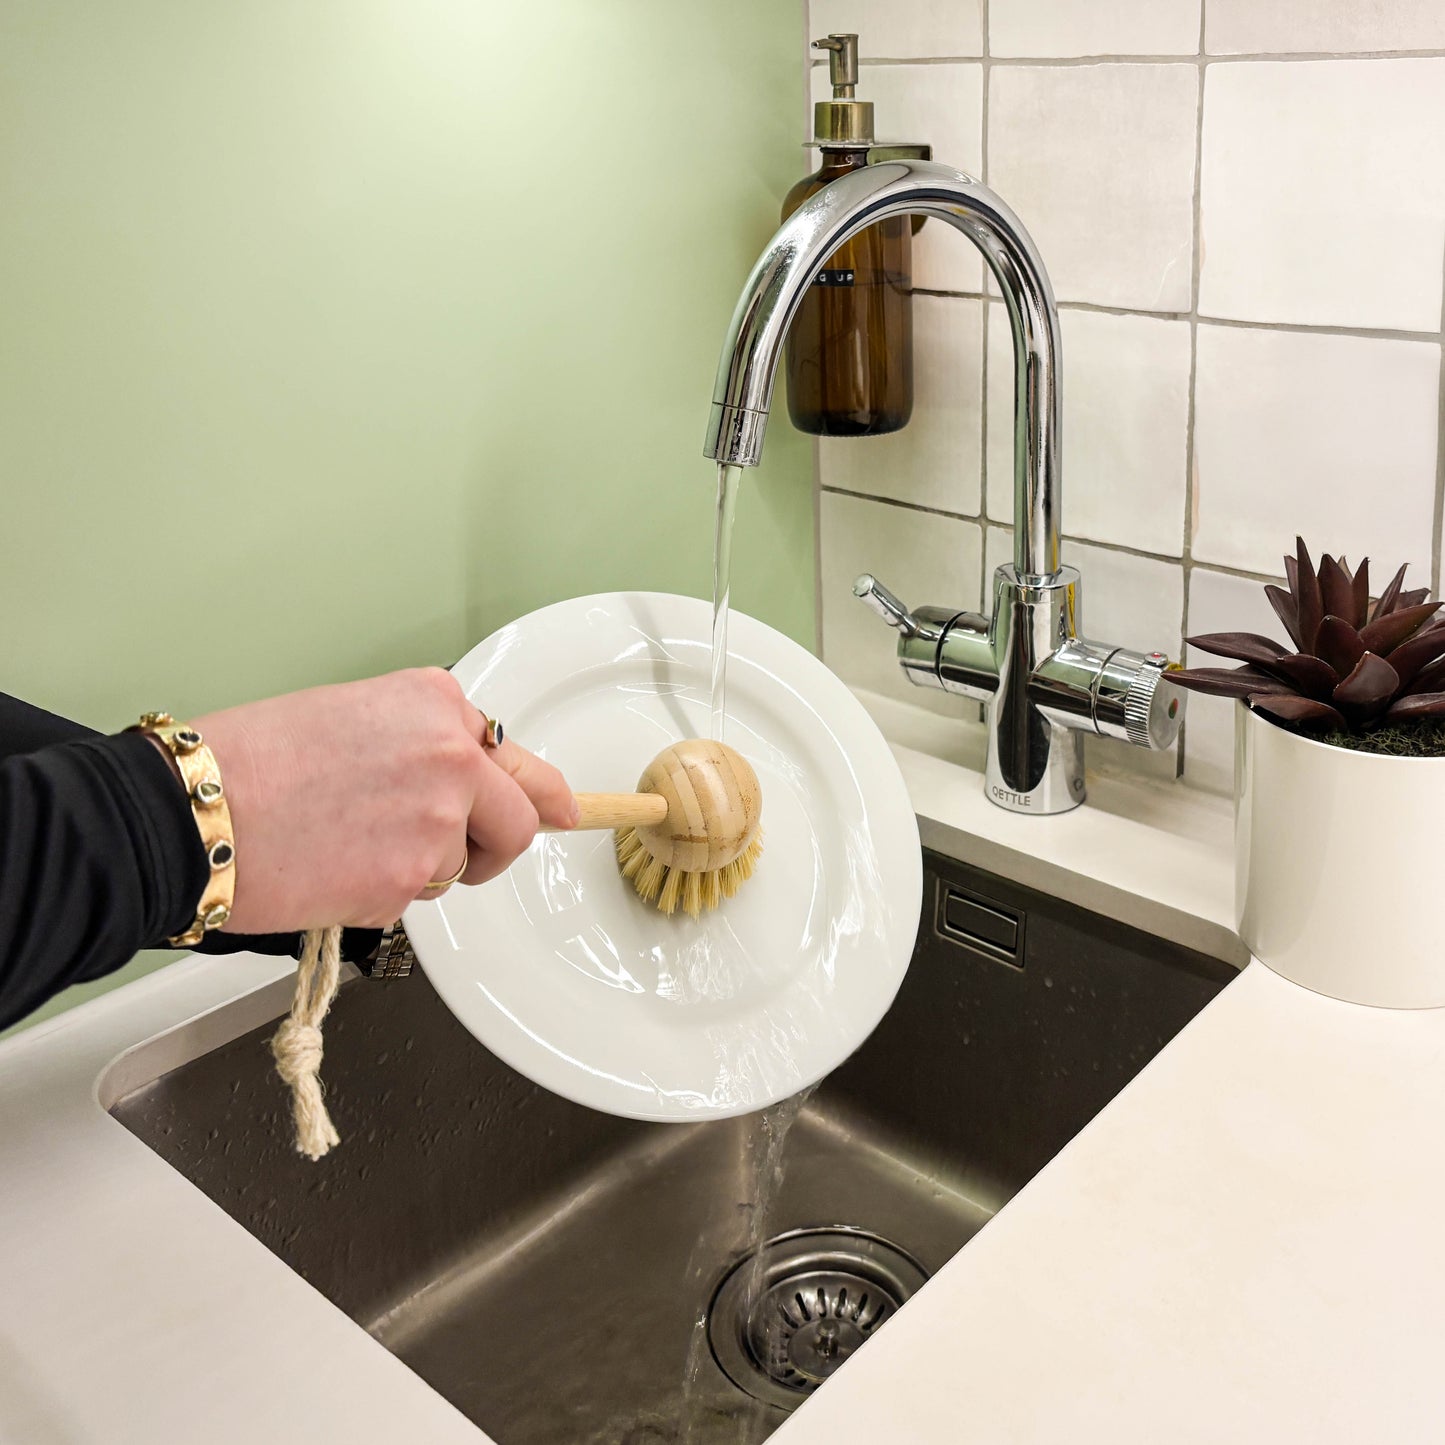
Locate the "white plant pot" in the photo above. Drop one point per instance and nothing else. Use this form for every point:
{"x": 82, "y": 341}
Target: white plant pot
{"x": 1337, "y": 868}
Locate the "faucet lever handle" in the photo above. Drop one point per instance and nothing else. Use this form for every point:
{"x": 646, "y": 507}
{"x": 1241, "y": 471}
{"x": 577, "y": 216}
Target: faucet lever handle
{"x": 870, "y": 590}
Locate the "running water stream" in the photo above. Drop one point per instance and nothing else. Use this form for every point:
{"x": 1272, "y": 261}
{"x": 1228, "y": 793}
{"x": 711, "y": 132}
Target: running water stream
{"x": 763, "y": 1167}
{"x": 722, "y": 555}
{"x": 763, "y": 1161}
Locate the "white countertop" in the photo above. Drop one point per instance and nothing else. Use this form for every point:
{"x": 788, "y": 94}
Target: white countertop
{"x": 1245, "y": 1245}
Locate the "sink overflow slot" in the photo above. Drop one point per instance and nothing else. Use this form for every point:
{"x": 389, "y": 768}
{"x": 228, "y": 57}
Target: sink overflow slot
{"x": 985, "y": 925}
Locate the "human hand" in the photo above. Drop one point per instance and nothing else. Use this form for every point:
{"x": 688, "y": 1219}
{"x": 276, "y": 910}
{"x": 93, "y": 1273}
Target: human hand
{"x": 347, "y": 800}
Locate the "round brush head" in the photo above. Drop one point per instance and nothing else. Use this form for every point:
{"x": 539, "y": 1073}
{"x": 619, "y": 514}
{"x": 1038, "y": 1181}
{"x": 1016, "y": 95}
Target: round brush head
{"x": 710, "y": 841}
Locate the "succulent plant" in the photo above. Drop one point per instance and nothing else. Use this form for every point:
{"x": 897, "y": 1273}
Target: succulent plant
{"x": 1360, "y": 663}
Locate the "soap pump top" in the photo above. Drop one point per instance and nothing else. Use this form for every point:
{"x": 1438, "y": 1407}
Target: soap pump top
{"x": 844, "y": 121}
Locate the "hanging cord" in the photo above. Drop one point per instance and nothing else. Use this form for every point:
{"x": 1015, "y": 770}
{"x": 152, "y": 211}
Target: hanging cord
{"x": 297, "y": 1043}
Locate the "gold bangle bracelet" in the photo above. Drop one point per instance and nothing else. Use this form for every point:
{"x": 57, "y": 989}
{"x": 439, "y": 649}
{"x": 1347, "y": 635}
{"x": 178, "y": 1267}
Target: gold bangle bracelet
{"x": 213, "y": 819}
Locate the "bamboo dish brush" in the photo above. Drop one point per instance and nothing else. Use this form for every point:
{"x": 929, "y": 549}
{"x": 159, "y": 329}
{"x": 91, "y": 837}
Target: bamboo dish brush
{"x": 690, "y": 835}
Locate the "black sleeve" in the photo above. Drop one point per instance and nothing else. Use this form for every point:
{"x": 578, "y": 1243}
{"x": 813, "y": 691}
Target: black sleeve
{"x": 99, "y": 858}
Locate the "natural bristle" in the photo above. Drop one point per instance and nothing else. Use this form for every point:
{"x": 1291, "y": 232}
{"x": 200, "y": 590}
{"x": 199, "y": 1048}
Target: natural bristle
{"x": 672, "y": 888}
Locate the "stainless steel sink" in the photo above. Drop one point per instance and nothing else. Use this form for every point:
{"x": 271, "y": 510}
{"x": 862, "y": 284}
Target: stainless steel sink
{"x": 546, "y": 1268}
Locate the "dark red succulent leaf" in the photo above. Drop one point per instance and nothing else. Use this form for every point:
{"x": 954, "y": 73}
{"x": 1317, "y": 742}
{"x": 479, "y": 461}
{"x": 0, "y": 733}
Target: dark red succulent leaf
{"x": 1419, "y": 651}
{"x": 1242, "y": 646}
{"x": 1290, "y": 707}
{"x": 1429, "y": 679}
{"x": 1228, "y": 681}
{"x": 1360, "y": 581}
{"x": 1285, "y": 610}
{"x": 1309, "y": 675}
{"x": 1359, "y": 659}
{"x": 1391, "y": 595}
{"x": 1337, "y": 592}
{"x": 1309, "y": 606}
{"x": 1367, "y": 691}
{"x": 1417, "y": 705}
{"x": 1385, "y": 634}
{"x": 1338, "y": 644}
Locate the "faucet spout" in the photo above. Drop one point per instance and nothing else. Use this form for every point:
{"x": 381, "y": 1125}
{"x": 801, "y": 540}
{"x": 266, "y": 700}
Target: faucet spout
{"x": 800, "y": 249}
{"x": 1041, "y": 683}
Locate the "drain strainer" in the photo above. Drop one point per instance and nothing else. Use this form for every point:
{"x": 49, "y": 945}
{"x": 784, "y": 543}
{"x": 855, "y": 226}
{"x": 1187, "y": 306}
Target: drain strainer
{"x": 788, "y": 1315}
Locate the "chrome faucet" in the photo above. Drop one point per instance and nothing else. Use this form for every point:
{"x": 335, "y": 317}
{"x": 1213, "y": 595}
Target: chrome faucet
{"x": 1043, "y": 686}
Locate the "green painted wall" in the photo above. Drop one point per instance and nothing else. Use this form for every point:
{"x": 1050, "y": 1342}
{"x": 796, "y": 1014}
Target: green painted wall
{"x": 334, "y": 333}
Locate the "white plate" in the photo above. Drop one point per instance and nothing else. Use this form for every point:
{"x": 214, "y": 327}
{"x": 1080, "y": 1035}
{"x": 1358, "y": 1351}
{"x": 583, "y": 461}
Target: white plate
{"x": 562, "y": 971}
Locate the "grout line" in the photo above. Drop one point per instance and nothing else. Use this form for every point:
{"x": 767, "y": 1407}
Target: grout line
{"x": 977, "y": 519}
{"x": 983, "y": 520}
{"x": 1098, "y": 306}
{"x": 948, "y": 295}
{"x": 1185, "y": 57}
{"x": 1375, "y": 333}
{"x": 1245, "y": 574}
{"x": 986, "y": 66}
{"x": 808, "y": 64}
{"x": 1191, "y": 464}
{"x": 1169, "y": 559}
{"x": 1435, "y": 542}
{"x": 1305, "y": 328}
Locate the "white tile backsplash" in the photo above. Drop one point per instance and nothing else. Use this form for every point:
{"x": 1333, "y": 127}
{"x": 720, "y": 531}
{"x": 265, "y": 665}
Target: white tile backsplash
{"x": 902, "y": 29}
{"x": 1036, "y": 29}
{"x": 1255, "y": 27}
{"x": 942, "y": 105}
{"x": 1136, "y": 602}
{"x": 936, "y": 460}
{"x": 1329, "y": 436}
{"x": 924, "y": 558}
{"x": 1219, "y": 602}
{"x": 1323, "y": 192}
{"x": 1319, "y": 202}
{"x": 1130, "y": 601}
{"x": 1126, "y": 422}
{"x": 1109, "y": 201}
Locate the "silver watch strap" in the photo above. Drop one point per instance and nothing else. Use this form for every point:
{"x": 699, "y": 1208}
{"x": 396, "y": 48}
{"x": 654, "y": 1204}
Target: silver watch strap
{"x": 394, "y": 955}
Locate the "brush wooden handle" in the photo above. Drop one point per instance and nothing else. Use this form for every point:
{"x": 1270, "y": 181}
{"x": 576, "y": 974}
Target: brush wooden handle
{"x": 617, "y": 810}
{"x": 697, "y": 808}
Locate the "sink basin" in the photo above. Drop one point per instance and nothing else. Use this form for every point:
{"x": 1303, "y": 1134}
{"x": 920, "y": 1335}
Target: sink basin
{"x": 564, "y": 1275}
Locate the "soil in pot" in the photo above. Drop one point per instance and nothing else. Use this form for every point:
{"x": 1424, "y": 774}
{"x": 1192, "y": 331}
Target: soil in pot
{"x": 1424, "y": 738}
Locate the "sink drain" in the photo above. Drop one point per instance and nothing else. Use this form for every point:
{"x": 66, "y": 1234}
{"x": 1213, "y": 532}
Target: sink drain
{"x": 788, "y": 1315}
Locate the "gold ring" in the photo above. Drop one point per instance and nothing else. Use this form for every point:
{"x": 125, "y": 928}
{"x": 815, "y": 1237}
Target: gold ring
{"x": 492, "y": 733}
{"x": 440, "y": 885}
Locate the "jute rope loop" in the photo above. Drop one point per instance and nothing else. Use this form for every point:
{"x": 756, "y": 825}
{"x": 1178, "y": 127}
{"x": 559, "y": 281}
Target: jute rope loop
{"x": 297, "y": 1043}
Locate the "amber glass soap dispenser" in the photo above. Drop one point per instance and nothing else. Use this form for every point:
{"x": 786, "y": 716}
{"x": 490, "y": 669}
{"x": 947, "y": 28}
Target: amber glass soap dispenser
{"x": 850, "y": 350}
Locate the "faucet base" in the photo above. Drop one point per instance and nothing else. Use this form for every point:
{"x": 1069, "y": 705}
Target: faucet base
{"x": 1035, "y": 762}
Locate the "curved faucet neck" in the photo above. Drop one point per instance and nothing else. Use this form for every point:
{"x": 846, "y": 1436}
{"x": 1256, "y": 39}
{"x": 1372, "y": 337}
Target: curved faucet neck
{"x": 801, "y": 247}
